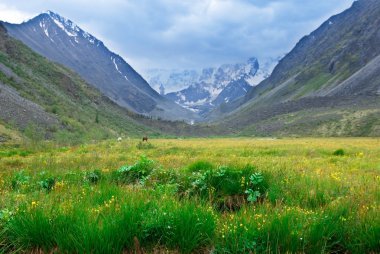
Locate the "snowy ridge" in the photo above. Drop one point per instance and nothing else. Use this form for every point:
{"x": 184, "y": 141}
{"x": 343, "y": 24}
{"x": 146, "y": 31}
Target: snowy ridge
{"x": 69, "y": 27}
{"x": 75, "y": 33}
{"x": 209, "y": 87}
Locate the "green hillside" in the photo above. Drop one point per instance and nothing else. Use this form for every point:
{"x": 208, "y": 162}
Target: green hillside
{"x": 46, "y": 100}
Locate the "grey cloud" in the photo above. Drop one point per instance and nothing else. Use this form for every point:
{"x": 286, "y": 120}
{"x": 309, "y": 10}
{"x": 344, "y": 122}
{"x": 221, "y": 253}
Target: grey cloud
{"x": 190, "y": 33}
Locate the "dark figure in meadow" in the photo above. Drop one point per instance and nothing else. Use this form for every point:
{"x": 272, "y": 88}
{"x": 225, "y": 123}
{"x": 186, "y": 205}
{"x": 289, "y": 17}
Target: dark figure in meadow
{"x": 145, "y": 139}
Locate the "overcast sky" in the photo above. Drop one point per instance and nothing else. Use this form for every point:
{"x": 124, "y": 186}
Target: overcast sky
{"x": 187, "y": 33}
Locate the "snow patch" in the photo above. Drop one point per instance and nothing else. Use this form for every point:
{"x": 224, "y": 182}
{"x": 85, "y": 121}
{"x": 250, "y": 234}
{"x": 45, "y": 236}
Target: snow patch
{"x": 43, "y": 26}
{"x": 214, "y": 91}
{"x": 60, "y": 25}
{"x": 116, "y": 67}
{"x": 196, "y": 103}
{"x": 46, "y": 32}
{"x": 189, "y": 108}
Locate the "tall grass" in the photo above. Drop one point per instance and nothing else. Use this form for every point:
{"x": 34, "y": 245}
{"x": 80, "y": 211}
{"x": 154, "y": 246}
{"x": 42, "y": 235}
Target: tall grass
{"x": 310, "y": 201}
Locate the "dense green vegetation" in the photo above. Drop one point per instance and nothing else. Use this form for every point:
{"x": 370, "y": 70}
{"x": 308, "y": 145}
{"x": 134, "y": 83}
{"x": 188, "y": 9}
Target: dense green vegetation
{"x": 192, "y": 196}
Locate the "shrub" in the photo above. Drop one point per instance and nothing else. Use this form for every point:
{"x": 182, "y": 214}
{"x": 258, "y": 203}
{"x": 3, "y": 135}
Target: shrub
{"x": 48, "y": 183}
{"x": 93, "y": 176}
{"x": 137, "y": 172}
{"x": 254, "y": 191}
{"x": 19, "y": 179}
{"x": 227, "y": 188}
{"x": 339, "y": 152}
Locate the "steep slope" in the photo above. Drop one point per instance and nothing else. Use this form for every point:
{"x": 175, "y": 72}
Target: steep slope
{"x": 62, "y": 41}
{"x": 54, "y": 100}
{"x": 41, "y": 98}
{"x": 320, "y": 61}
{"x": 235, "y": 89}
{"x": 330, "y": 79}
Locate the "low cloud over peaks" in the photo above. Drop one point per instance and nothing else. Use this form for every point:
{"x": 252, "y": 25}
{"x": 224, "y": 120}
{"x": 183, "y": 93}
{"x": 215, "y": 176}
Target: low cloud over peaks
{"x": 187, "y": 34}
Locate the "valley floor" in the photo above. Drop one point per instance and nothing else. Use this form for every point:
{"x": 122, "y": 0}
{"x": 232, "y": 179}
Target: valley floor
{"x": 192, "y": 196}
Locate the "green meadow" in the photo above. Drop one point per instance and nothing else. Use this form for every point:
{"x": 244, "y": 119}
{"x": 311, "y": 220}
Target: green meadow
{"x": 235, "y": 195}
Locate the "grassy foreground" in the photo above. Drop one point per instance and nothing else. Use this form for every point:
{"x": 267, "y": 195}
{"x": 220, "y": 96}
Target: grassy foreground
{"x": 192, "y": 196}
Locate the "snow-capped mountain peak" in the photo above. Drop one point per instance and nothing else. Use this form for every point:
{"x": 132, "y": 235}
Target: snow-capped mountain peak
{"x": 202, "y": 90}
{"x": 67, "y": 26}
{"x": 62, "y": 41}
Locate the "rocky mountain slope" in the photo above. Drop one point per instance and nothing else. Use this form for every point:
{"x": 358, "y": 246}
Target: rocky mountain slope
{"x": 62, "y": 41}
{"x": 329, "y": 83}
{"x": 46, "y": 100}
{"x": 342, "y": 45}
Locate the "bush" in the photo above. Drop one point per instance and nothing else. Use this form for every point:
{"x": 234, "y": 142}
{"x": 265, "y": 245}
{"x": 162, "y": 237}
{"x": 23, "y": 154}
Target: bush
{"x": 137, "y": 172}
{"x": 227, "y": 188}
{"x": 253, "y": 191}
{"x": 19, "y": 179}
{"x": 48, "y": 183}
{"x": 93, "y": 176}
{"x": 339, "y": 152}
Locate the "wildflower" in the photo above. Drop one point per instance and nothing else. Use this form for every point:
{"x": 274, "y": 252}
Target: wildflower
{"x": 242, "y": 181}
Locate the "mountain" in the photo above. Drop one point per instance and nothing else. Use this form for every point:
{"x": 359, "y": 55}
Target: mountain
{"x": 41, "y": 99}
{"x": 62, "y": 41}
{"x": 210, "y": 87}
{"x": 329, "y": 84}
{"x": 39, "y": 96}
{"x": 171, "y": 79}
